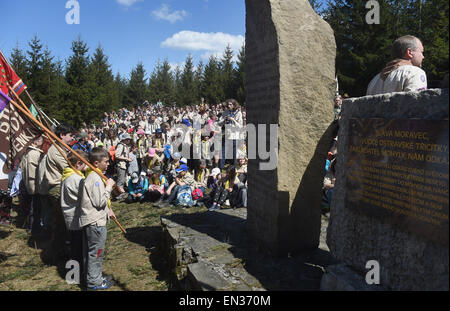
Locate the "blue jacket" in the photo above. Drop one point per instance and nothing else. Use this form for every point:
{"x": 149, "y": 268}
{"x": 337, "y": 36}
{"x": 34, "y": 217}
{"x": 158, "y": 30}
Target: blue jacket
{"x": 140, "y": 187}
{"x": 86, "y": 147}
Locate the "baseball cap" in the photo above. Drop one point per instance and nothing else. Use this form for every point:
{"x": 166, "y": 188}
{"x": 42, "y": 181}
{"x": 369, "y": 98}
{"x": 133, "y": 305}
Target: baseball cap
{"x": 183, "y": 160}
{"x": 215, "y": 171}
{"x": 134, "y": 178}
{"x": 126, "y": 136}
{"x": 151, "y": 152}
{"x": 182, "y": 167}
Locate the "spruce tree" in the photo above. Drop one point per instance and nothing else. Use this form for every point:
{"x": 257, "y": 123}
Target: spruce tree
{"x": 166, "y": 83}
{"x": 80, "y": 90}
{"x": 239, "y": 77}
{"x": 18, "y": 62}
{"x": 188, "y": 92}
{"x": 137, "y": 91}
{"x": 212, "y": 87}
{"x": 227, "y": 73}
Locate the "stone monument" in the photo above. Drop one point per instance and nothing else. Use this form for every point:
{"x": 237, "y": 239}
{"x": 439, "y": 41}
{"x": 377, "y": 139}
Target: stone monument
{"x": 290, "y": 61}
{"x": 390, "y": 202}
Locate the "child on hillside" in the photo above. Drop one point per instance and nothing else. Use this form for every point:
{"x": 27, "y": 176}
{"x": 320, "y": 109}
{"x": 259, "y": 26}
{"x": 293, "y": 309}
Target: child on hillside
{"x": 137, "y": 187}
{"x": 95, "y": 213}
{"x": 71, "y": 184}
{"x": 157, "y": 185}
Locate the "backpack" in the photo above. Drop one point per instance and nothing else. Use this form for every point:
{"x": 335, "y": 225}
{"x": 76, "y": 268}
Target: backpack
{"x": 184, "y": 196}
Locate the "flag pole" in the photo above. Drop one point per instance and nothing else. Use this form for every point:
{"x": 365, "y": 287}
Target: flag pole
{"x": 39, "y": 110}
{"x": 53, "y": 135}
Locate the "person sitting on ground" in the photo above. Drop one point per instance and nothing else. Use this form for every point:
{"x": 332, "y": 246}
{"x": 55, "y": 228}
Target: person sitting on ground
{"x": 137, "y": 187}
{"x": 158, "y": 141}
{"x": 201, "y": 174}
{"x": 157, "y": 185}
{"x": 173, "y": 166}
{"x": 152, "y": 159}
{"x": 241, "y": 169}
{"x": 184, "y": 178}
{"x": 224, "y": 190}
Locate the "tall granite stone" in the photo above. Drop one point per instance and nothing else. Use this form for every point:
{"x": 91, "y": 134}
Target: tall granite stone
{"x": 409, "y": 257}
{"x": 290, "y": 61}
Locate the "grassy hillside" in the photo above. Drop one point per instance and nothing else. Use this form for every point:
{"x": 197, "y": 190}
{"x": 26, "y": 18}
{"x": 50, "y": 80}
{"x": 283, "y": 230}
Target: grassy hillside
{"x": 134, "y": 260}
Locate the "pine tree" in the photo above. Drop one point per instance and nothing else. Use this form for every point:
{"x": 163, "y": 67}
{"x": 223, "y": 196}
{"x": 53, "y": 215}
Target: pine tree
{"x": 166, "y": 83}
{"x": 120, "y": 84}
{"x": 178, "y": 86}
{"x": 239, "y": 76}
{"x": 199, "y": 79}
{"x": 212, "y": 87}
{"x": 137, "y": 90}
{"x": 34, "y": 65}
{"x": 227, "y": 73}
{"x": 188, "y": 91}
{"x": 101, "y": 80}
{"x": 80, "y": 91}
{"x": 18, "y": 62}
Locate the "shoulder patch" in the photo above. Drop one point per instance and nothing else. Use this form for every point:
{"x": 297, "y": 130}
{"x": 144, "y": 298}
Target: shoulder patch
{"x": 97, "y": 184}
{"x": 422, "y": 78}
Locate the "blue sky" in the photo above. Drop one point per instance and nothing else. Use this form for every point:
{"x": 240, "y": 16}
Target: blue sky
{"x": 129, "y": 30}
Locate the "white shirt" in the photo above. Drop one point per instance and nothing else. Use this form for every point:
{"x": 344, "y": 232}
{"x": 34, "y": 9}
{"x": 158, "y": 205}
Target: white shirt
{"x": 405, "y": 78}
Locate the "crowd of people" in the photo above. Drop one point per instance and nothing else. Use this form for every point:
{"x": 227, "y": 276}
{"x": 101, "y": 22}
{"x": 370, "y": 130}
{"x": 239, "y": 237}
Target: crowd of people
{"x": 151, "y": 153}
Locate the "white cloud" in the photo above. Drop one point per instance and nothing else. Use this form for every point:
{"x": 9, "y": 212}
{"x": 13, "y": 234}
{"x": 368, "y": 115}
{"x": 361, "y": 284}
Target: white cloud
{"x": 212, "y": 43}
{"x": 165, "y": 14}
{"x": 127, "y": 2}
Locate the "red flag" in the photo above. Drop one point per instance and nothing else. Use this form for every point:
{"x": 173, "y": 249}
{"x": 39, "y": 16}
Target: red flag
{"x": 7, "y": 75}
{"x": 17, "y": 132}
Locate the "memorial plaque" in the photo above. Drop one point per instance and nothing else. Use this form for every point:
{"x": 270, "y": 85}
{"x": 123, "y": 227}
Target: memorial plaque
{"x": 398, "y": 171}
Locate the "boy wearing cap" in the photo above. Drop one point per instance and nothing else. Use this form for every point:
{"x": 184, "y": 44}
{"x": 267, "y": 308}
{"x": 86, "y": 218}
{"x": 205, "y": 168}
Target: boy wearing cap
{"x": 83, "y": 143}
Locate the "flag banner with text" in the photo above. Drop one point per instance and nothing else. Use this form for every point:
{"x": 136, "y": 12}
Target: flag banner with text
{"x": 17, "y": 132}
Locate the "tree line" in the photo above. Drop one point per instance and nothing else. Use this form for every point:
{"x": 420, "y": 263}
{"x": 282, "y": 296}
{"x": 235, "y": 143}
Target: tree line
{"x": 83, "y": 87}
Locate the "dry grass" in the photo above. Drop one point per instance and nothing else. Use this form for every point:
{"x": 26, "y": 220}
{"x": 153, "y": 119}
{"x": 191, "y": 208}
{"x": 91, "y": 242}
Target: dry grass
{"x": 134, "y": 260}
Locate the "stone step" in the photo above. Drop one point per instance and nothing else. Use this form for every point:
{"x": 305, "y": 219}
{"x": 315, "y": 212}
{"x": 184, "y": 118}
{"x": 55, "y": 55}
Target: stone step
{"x": 211, "y": 251}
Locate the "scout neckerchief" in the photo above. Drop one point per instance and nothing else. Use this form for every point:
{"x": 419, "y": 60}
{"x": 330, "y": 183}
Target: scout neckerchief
{"x": 68, "y": 171}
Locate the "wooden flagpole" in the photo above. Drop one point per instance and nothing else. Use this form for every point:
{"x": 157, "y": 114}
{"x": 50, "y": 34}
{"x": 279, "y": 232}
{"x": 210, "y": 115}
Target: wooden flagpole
{"x": 53, "y": 135}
